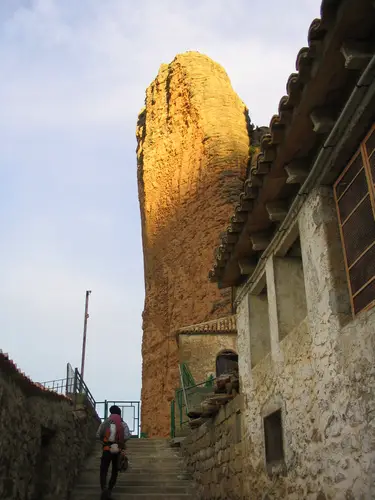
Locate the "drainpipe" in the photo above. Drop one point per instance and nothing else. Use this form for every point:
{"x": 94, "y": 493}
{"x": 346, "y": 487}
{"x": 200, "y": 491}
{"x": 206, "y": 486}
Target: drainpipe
{"x": 362, "y": 94}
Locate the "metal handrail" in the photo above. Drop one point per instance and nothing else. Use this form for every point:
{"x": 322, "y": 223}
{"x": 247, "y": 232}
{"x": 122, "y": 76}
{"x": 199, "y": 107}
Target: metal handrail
{"x": 186, "y": 374}
{"x": 102, "y": 409}
{"x": 183, "y": 409}
{"x": 173, "y": 418}
{"x": 58, "y": 385}
{"x": 83, "y": 389}
{"x": 71, "y": 386}
{"x": 183, "y": 387}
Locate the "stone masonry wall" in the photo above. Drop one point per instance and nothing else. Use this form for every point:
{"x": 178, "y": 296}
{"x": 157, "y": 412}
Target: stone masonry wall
{"x": 321, "y": 376}
{"x": 200, "y": 351}
{"x": 43, "y": 441}
{"x": 213, "y": 454}
{"x": 193, "y": 151}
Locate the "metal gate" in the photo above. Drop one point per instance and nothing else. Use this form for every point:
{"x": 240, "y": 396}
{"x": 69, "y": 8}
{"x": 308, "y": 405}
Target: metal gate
{"x": 130, "y": 412}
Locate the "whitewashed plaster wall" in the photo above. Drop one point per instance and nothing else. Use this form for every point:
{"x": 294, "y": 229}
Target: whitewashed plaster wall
{"x": 321, "y": 374}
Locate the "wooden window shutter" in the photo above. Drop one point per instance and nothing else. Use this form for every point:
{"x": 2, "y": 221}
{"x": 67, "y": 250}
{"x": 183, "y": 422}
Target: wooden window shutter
{"x": 354, "y": 193}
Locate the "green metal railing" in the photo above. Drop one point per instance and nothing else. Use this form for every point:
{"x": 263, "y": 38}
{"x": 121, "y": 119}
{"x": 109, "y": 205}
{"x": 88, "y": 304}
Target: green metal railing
{"x": 186, "y": 398}
{"x": 187, "y": 379}
{"x": 130, "y": 412}
{"x": 173, "y": 418}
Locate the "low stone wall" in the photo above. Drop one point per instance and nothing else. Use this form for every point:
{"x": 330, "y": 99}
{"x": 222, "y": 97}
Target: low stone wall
{"x": 43, "y": 439}
{"x": 213, "y": 453}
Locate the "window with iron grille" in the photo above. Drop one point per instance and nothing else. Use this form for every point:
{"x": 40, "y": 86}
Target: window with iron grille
{"x": 354, "y": 193}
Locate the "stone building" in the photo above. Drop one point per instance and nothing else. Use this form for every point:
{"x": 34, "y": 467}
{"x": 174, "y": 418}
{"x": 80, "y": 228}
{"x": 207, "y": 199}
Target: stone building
{"x": 300, "y": 255}
{"x": 201, "y": 346}
{"x": 193, "y": 154}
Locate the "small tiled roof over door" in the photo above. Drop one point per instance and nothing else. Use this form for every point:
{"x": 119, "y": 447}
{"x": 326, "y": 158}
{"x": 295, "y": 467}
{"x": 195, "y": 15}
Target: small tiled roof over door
{"x": 220, "y": 325}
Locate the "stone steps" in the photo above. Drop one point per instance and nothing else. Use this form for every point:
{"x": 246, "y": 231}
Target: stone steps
{"x": 175, "y": 472}
{"x": 156, "y": 472}
{"x": 137, "y": 496}
{"x": 139, "y": 480}
{"x": 156, "y": 461}
{"x": 136, "y": 489}
{"x": 136, "y": 466}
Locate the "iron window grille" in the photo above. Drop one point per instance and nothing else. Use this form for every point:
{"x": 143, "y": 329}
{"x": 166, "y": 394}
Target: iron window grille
{"x": 354, "y": 193}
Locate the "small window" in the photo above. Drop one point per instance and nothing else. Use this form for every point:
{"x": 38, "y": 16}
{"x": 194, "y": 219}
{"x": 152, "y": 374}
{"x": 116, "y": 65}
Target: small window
{"x": 354, "y": 195}
{"x": 290, "y": 289}
{"x": 273, "y": 438}
{"x": 259, "y": 327}
{"x": 46, "y": 436}
{"x": 238, "y": 427}
{"x": 226, "y": 363}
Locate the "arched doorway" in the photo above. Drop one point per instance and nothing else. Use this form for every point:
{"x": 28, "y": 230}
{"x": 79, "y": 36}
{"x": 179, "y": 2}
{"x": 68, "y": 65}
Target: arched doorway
{"x": 226, "y": 362}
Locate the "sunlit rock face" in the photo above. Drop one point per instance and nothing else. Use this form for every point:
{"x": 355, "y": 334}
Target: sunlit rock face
{"x": 193, "y": 150}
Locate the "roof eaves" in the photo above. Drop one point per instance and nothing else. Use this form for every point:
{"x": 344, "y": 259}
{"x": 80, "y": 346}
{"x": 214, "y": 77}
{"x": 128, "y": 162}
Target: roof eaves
{"x": 270, "y": 142}
{"x": 226, "y": 324}
{"x": 9, "y": 368}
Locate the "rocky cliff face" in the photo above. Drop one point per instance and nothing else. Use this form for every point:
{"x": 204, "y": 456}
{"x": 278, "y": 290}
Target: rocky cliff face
{"x": 193, "y": 150}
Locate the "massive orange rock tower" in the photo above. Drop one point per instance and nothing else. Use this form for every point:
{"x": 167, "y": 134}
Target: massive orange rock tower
{"x": 193, "y": 151}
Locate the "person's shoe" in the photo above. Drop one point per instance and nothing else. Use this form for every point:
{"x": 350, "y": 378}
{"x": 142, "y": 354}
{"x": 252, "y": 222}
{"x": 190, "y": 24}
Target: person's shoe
{"x": 106, "y": 495}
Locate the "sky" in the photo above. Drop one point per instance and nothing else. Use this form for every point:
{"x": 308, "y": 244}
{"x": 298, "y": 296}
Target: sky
{"x": 73, "y": 79}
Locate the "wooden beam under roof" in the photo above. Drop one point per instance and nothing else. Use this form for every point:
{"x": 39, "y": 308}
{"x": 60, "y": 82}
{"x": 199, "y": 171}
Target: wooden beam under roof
{"x": 246, "y": 266}
{"x": 277, "y": 210}
{"x": 260, "y": 241}
{"x": 297, "y": 172}
{"x": 322, "y": 120}
{"x": 356, "y": 54}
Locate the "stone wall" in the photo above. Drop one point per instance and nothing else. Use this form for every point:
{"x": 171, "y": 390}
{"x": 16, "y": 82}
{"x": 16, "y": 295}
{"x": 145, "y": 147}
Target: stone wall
{"x": 213, "y": 454}
{"x": 200, "y": 351}
{"x": 43, "y": 440}
{"x": 193, "y": 152}
{"x": 320, "y": 375}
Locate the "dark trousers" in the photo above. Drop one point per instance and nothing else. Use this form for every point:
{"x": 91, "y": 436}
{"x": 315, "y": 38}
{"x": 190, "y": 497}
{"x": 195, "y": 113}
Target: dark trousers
{"x": 107, "y": 458}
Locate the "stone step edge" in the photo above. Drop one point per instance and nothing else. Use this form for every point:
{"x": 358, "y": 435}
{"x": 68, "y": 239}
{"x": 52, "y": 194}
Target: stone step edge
{"x": 82, "y": 496}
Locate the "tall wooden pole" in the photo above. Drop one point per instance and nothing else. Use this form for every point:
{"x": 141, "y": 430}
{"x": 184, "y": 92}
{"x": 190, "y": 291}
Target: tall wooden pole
{"x": 85, "y": 333}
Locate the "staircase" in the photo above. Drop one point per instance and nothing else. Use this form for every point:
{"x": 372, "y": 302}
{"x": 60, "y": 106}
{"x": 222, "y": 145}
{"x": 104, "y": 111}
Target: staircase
{"x": 156, "y": 472}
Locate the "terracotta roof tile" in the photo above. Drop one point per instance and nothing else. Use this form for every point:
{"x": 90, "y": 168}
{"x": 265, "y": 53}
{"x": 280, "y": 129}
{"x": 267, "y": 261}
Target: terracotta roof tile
{"x": 221, "y": 325}
{"x": 307, "y": 60}
{"x": 9, "y": 367}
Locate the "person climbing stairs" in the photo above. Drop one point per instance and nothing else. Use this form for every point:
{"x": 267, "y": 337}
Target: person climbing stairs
{"x": 156, "y": 472}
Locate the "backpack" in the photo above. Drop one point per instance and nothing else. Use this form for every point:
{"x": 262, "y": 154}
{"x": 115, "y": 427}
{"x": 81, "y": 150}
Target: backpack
{"x": 105, "y": 432}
